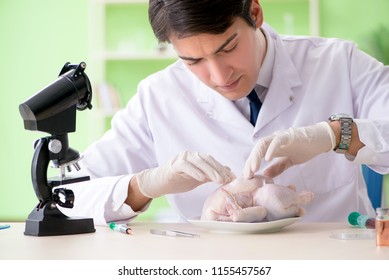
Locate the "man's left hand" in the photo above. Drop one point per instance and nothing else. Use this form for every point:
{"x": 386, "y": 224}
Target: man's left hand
{"x": 290, "y": 147}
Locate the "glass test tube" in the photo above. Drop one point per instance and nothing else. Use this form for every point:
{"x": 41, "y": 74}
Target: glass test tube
{"x": 382, "y": 226}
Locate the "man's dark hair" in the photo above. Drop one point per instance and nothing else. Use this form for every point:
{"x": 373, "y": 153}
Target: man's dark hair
{"x": 184, "y": 18}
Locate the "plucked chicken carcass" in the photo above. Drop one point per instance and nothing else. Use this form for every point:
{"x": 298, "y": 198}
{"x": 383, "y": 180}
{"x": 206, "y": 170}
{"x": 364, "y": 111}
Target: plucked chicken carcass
{"x": 254, "y": 200}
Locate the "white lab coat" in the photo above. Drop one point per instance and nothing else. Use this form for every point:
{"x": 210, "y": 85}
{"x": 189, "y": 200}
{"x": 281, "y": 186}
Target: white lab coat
{"x": 173, "y": 111}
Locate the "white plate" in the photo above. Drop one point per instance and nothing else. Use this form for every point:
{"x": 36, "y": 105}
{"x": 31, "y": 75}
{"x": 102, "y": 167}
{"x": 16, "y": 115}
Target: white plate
{"x": 244, "y": 228}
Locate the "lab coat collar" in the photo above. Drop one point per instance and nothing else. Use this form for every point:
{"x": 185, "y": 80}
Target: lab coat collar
{"x": 283, "y": 64}
{"x": 266, "y": 71}
{"x": 280, "y": 95}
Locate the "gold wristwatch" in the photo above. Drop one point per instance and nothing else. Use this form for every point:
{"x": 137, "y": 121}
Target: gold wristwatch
{"x": 346, "y": 122}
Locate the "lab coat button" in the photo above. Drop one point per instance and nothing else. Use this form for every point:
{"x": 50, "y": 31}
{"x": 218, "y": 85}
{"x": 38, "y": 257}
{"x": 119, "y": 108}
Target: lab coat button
{"x": 291, "y": 98}
{"x": 256, "y": 135}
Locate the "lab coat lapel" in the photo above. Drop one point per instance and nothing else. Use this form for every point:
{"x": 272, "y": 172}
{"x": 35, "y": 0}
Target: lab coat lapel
{"x": 280, "y": 95}
{"x": 223, "y": 110}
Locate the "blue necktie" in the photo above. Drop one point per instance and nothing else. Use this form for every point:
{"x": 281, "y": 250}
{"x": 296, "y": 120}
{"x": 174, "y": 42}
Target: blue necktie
{"x": 255, "y": 106}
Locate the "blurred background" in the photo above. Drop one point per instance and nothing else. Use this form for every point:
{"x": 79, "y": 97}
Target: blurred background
{"x": 114, "y": 38}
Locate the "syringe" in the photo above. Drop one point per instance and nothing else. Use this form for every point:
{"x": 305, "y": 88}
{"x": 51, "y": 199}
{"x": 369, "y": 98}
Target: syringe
{"x": 356, "y": 219}
{"x": 120, "y": 228}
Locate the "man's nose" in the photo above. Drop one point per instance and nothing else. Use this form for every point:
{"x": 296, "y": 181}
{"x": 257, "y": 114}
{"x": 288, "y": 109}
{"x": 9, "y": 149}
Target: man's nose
{"x": 220, "y": 72}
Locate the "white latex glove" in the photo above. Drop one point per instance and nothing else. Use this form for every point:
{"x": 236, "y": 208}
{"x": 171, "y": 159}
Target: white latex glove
{"x": 293, "y": 146}
{"x": 182, "y": 173}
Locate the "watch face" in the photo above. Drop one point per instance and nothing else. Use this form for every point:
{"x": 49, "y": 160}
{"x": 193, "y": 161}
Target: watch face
{"x": 343, "y": 115}
{"x": 336, "y": 117}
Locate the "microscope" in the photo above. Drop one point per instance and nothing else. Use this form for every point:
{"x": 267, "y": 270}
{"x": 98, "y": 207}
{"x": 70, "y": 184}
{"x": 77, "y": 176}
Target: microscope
{"x": 53, "y": 110}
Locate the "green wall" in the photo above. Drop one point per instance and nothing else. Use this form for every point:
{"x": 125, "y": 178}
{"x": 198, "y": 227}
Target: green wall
{"x": 287, "y": 17}
{"x": 39, "y": 36}
{"x": 355, "y": 20}
{"x": 352, "y": 19}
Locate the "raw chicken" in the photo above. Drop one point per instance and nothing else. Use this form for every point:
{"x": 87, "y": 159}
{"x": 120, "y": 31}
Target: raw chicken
{"x": 282, "y": 202}
{"x": 255, "y": 200}
{"x": 235, "y": 202}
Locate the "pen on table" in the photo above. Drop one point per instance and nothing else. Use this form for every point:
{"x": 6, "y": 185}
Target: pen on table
{"x": 4, "y": 226}
{"x": 120, "y": 228}
{"x": 173, "y": 233}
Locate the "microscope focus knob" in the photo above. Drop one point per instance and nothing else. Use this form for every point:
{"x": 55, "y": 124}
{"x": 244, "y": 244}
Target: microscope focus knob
{"x": 55, "y": 146}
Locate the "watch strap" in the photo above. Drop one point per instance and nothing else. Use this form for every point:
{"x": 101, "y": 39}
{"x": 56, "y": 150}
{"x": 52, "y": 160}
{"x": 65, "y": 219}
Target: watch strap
{"x": 345, "y": 132}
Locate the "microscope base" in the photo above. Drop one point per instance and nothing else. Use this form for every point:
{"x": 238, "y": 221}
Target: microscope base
{"x": 49, "y": 222}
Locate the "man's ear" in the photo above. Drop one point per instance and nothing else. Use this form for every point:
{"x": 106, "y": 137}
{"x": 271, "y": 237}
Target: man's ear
{"x": 256, "y": 13}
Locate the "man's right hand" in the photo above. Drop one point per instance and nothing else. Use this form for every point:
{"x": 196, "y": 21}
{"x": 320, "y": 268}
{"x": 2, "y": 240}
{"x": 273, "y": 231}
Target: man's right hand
{"x": 182, "y": 173}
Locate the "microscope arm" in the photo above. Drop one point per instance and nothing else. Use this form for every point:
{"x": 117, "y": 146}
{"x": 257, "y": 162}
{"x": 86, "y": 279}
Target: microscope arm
{"x": 40, "y": 163}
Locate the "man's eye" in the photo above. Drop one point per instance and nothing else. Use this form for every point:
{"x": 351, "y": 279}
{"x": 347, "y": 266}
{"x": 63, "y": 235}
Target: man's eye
{"x": 192, "y": 62}
{"x": 230, "y": 49}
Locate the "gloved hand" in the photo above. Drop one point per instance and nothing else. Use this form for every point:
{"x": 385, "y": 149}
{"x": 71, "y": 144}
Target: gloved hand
{"x": 293, "y": 146}
{"x": 182, "y": 173}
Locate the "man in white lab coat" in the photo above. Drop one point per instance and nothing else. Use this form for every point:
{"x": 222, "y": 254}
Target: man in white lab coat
{"x": 187, "y": 129}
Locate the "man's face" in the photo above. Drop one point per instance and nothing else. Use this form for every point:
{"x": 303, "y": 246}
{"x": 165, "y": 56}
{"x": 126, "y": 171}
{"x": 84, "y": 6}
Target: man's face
{"x": 228, "y": 63}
